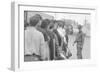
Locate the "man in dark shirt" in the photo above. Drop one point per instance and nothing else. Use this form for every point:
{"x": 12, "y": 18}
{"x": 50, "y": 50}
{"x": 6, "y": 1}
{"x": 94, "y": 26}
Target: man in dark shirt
{"x": 80, "y": 41}
{"x": 49, "y": 37}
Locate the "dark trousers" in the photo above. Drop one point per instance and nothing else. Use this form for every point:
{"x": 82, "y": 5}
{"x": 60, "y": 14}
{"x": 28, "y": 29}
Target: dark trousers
{"x": 79, "y": 52}
{"x": 51, "y": 49}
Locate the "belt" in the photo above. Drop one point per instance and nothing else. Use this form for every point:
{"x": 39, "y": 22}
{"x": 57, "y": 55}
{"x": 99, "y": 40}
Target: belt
{"x": 28, "y": 55}
{"x": 32, "y": 55}
{"x": 38, "y": 56}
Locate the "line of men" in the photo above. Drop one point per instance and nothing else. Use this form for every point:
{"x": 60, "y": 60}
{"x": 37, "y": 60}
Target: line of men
{"x": 48, "y": 40}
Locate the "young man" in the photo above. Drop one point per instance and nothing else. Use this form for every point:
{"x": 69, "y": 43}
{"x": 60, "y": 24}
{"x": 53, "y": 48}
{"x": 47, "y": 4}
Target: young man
{"x": 44, "y": 28}
{"x": 80, "y": 41}
{"x": 50, "y": 37}
{"x": 34, "y": 41}
{"x": 61, "y": 39}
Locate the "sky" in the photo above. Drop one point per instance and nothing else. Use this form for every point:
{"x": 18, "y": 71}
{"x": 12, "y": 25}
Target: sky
{"x": 77, "y": 17}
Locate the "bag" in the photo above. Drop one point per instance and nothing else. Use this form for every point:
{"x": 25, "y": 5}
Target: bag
{"x": 68, "y": 54}
{"x": 60, "y": 54}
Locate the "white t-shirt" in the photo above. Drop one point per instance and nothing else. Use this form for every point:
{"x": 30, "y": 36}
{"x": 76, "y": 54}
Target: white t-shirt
{"x": 62, "y": 33}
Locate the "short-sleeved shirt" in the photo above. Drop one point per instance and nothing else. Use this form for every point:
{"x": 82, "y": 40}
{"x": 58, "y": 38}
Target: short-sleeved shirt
{"x": 34, "y": 42}
{"x": 80, "y": 39}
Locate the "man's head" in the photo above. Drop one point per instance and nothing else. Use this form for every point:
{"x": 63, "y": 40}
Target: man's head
{"x": 55, "y": 25}
{"x": 80, "y": 27}
{"x": 35, "y": 20}
{"x": 65, "y": 27}
{"x": 60, "y": 23}
{"x": 45, "y": 23}
{"x": 52, "y": 24}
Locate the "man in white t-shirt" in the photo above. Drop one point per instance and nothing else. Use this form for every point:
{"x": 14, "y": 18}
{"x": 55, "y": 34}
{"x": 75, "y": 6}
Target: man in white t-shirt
{"x": 34, "y": 41}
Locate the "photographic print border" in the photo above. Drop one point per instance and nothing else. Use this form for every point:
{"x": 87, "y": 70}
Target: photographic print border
{"x": 16, "y": 63}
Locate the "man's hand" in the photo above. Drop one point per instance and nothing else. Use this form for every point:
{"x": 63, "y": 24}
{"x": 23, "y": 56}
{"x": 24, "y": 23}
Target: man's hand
{"x": 73, "y": 44}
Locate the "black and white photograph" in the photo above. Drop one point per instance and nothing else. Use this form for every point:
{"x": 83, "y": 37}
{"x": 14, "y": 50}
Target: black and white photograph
{"x": 50, "y": 36}
{"x": 47, "y": 36}
{"x": 53, "y": 36}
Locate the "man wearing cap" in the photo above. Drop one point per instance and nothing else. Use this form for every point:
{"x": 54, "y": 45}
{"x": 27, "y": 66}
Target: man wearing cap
{"x": 80, "y": 41}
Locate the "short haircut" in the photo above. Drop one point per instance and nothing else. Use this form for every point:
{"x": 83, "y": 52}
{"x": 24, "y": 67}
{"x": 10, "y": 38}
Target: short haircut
{"x": 45, "y": 23}
{"x": 60, "y": 23}
{"x": 35, "y": 19}
{"x": 79, "y": 26}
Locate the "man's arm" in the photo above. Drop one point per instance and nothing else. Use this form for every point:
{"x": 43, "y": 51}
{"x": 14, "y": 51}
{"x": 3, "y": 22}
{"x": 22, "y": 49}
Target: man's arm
{"x": 83, "y": 37}
{"x": 76, "y": 39}
{"x": 42, "y": 48}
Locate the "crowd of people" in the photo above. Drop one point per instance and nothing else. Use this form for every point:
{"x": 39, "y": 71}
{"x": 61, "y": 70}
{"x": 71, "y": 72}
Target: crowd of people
{"x": 47, "y": 39}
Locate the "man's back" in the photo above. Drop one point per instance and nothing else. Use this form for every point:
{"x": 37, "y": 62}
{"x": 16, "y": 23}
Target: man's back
{"x": 46, "y": 36}
{"x": 34, "y": 41}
